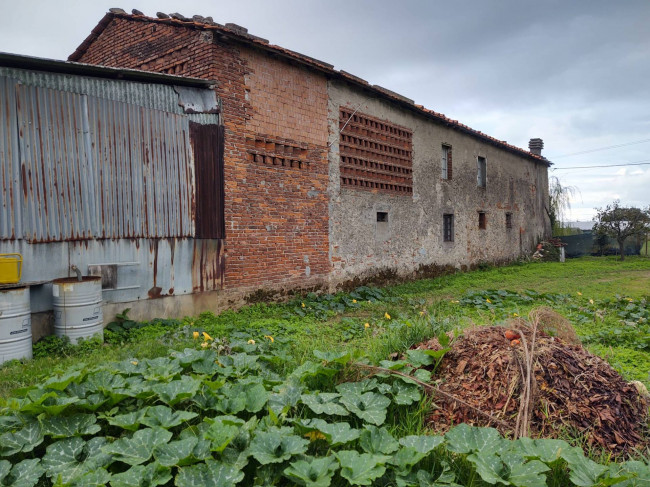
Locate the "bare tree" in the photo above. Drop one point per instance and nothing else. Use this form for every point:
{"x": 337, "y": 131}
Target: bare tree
{"x": 620, "y": 223}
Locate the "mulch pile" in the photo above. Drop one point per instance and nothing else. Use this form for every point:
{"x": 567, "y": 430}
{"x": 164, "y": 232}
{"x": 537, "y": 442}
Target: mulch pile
{"x": 574, "y": 391}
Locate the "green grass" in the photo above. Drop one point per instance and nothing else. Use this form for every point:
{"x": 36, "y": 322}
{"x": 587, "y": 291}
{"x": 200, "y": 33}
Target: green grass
{"x": 337, "y": 323}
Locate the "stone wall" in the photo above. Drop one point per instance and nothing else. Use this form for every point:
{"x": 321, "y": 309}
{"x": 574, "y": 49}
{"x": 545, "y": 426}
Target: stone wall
{"x": 411, "y": 241}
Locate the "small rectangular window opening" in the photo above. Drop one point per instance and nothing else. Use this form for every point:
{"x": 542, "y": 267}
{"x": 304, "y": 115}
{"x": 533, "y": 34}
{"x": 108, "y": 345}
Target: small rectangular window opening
{"x": 481, "y": 178}
{"x": 482, "y": 220}
{"x": 448, "y": 227}
{"x": 382, "y": 216}
{"x": 508, "y": 220}
{"x": 446, "y": 162}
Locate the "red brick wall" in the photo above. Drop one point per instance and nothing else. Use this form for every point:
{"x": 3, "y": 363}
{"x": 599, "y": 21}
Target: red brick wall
{"x": 275, "y": 160}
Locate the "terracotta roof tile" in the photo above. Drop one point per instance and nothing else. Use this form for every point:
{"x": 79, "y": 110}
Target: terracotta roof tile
{"x": 242, "y": 34}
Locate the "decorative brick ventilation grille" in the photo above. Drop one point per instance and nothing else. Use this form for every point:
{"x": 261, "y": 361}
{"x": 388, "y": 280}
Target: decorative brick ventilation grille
{"x": 279, "y": 152}
{"x": 375, "y": 155}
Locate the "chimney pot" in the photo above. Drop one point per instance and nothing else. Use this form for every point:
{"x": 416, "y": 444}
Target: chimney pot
{"x": 535, "y": 146}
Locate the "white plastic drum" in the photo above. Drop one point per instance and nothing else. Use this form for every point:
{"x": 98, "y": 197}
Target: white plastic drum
{"x": 15, "y": 324}
{"x": 78, "y": 307}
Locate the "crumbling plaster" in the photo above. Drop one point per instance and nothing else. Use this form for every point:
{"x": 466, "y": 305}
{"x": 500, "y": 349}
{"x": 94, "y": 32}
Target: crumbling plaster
{"x": 414, "y": 237}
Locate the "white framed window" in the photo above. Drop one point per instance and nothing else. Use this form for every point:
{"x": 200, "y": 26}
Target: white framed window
{"x": 481, "y": 176}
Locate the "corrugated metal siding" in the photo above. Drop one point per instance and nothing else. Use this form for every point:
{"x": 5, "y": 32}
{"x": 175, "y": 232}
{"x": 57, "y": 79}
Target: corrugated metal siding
{"x": 78, "y": 167}
{"x": 145, "y": 174}
{"x": 147, "y": 95}
{"x": 58, "y": 187}
{"x": 10, "y": 220}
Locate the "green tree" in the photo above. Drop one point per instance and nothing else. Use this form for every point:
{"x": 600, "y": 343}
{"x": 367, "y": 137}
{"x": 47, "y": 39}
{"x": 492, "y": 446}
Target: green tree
{"x": 559, "y": 202}
{"x": 620, "y": 223}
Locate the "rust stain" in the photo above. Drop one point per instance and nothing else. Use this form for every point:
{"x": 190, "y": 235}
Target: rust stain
{"x": 154, "y": 292}
{"x": 208, "y": 265}
{"x": 153, "y": 246}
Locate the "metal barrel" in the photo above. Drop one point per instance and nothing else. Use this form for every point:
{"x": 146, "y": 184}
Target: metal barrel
{"x": 15, "y": 324}
{"x": 78, "y": 307}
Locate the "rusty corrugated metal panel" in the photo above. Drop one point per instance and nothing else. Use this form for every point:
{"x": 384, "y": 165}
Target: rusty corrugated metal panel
{"x": 10, "y": 220}
{"x": 144, "y": 176}
{"x": 207, "y": 142}
{"x": 56, "y": 171}
{"x": 147, "y": 95}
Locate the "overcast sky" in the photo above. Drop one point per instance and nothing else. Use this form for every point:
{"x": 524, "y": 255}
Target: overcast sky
{"x": 575, "y": 73}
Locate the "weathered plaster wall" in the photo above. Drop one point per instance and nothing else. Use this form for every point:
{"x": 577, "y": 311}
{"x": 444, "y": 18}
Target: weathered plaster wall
{"x": 413, "y": 239}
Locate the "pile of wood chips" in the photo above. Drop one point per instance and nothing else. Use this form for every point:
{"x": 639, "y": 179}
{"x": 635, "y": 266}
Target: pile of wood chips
{"x": 574, "y": 392}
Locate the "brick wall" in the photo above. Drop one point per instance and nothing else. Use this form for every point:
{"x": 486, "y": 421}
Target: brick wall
{"x": 275, "y": 158}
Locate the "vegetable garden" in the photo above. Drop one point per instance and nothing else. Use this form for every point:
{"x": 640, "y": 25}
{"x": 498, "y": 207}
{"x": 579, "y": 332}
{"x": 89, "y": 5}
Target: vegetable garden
{"x": 323, "y": 390}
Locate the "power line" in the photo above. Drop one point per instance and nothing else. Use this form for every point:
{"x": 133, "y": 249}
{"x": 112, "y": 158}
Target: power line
{"x": 601, "y": 148}
{"x": 644, "y": 162}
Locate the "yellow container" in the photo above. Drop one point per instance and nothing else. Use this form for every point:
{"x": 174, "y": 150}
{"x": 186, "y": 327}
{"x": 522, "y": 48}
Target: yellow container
{"x": 11, "y": 268}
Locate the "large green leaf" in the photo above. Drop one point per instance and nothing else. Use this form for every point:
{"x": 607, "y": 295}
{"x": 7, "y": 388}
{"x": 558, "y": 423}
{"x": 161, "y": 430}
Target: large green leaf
{"x": 67, "y": 460}
{"x": 165, "y": 417}
{"x": 128, "y": 421}
{"x": 162, "y": 368}
{"x": 335, "y": 357}
{"x": 370, "y": 406}
{"x": 23, "y": 474}
{"x": 335, "y": 433}
{"x": 422, "y": 443}
{"x": 23, "y": 440}
{"x": 178, "y": 452}
{"x": 509, "y": 469}
{"x": 523, "y": 473}
{"x": 546, "y": 450}
{"x": 312, "y": 472}
{"x": 94, "y": 478}
{"x": 273, "y": 447}
{"x": 583, "y": 471}
{"x": 139, "y": 448}
{"x": 467, "y": 439}
{"x": 285, "y": 396}
{"x": 405, "y": 393}
{"x": 177, "y": 390}
{"x": 209, "y": 474}
{"x": 148, "y": 475}
{"x": 324, "y": 403}
{"x": 378, "y": 441}
{"x": 222, "y": 431}
{"x": 637, "y": 472}
{"x": 422, "y": 478}
{"x": 365, "y": 385}
{"x": 67, "y": 426}
{"x": 361, "y": 469}
{"x": 191, "y": 355}
{"x": 60, "y": 382}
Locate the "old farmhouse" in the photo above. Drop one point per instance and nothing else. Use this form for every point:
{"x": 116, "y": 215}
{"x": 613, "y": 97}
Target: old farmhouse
{"x": 325, "y": 180}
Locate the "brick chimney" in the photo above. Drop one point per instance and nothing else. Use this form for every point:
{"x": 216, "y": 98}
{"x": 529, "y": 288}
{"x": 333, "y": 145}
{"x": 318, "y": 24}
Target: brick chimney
{"x": 535, "y": 146}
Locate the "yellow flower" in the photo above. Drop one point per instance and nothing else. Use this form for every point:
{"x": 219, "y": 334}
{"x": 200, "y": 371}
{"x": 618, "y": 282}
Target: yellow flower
{"x": 366, "y": 325}
{"x": 315, "y": 435}
{"x": 205, "y": 345}
{"x": 303, "y": 304}
{"x": 630, "y": 299}
{"x": 134, "y": 362}
{"x": 195, "y": 335}
{"x": 269, "y": 337}
{"x": 387, "y": 316}
{"x": 515, "y": 314}
{"x": 354, "y": 301}
{"x": 455, "y": 301}
{"x": 579, "y": 293}
{"x": 251, "y": 342}
{"x": 206, "y": 337}
{"x": 421, "y": 313}
{"x": 591, "y": 301}
{"x": 488, "y": 300}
